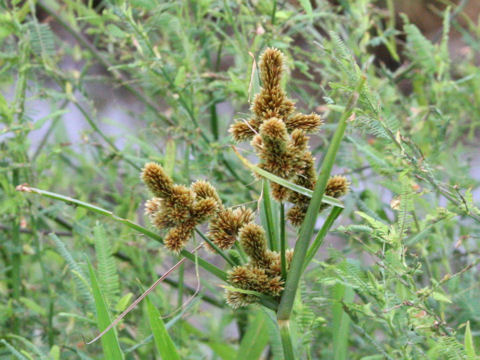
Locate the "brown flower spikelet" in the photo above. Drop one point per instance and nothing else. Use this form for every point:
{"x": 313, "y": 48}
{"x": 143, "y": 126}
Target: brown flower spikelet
{"x": 243, "y": 130}
{"x": 308, "y": 123}
{"x": 337, "y": 186}
{"x": 296, "y": 215}
{"x": 237, "y": 299}
{"x": 177, "y": 207}
{"x": 152, "y": 206}
{"x": 178, "y": 236}
{"x": 204, "y": 190}
{"x": 159, "y": 183}
{"x": 256, "y": 279}
{"x": 271, "y": 67}
{"x": 224, "y": 227}
{"x": 204, "y": 208}
{"x": 253, "y": 241}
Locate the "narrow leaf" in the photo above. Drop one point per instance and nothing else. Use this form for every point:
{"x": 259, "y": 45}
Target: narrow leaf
{"x": 163, "y": 341}
{"x": 255, "y": 339}
{"x": 111, "y": 347}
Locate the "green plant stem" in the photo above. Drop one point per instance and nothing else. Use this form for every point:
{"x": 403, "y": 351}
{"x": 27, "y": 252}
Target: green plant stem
{"x": 307, "y": 228}
{"x": 190, "y": 256}
{"x": 215, "y": 247}
{"x": 334, "y": 214}
{"x": 267, "y": 207}
{"x": 287, "y": 345}
{"x": 180, "y": 288}
{"x": 283, "y": 241}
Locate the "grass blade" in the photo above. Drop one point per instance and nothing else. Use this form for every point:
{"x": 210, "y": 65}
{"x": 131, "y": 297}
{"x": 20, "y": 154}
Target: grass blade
{"x": 255, "y": 339}
{"x": 163, "y": 341}
{"x": 334, "y": 214}
{"x": 269, "y": 220}
{"x": 111, "y": 347}
{"x": 341, "y": 321}
{"x": 469, "y": 345}
{"x": 285, "y": 183}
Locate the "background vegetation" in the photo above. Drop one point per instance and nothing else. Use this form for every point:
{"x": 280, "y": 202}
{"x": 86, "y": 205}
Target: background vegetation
{"x": 91, "y": 91}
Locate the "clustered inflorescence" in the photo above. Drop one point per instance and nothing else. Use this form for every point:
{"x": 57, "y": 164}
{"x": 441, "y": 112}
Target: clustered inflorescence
{"x": 180, "y": 209}
{"x": 279, "y": 136}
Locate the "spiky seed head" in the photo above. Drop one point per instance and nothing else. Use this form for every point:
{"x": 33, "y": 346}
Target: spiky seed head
{"x": 237, "y": 299}
{"x": 253, "y": 241}
{"x": 159, "y": 183}
{"x": 337, "y": 186}
{"x": 203, "y": 209}
{"x": 298, "y": 141}
{"x": 272, "y": 102}
{"x": 163, "y": 219}
{"x": 274, "y": 286}
{"x": 274, "y": 130}
{"x": 177, "y": 237}
{"x": 224, "y": 227}
{"x": 308, "y": 123}
{"x": 275, "y": 268}
{"x": 242, "y": 131}
{"x": 203, "y": 190}
{"x": 241, "y": 277}
{"x": 296, "y": 215}
{"x": 243, "y": 216}
{"x": 271, "y": 67}
{"x": 152, "y": 206}
{"x": 279, "y": 192}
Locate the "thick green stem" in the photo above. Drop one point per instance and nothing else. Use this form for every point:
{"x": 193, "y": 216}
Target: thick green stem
{"x": 308, "y": 226}
{"x": 287, "y": 345}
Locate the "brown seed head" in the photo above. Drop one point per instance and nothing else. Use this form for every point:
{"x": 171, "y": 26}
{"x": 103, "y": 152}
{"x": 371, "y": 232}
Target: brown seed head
{"x": 242, "y": 131}
{"x": 203, "y": 209}
{"x": 225, "y": 226}
{"x": 203, "y": 190}
{"x": 237, "y": 299}
{"x": 178, "y": 236}
{"x": 337, "y": 186}
{"x": 152, "y": 206}
{"x": 308, "y": 123}
{"x": 159, "y": 183}
{"x": 271, "y": 67}
{"x": 253, "y": 241}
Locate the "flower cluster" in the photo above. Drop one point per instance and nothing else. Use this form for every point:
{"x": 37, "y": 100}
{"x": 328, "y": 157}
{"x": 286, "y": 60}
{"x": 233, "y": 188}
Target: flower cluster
{"x": 263, "y": 272}
{"x": 177, "y": 207}
{"x": 279, "y": 136}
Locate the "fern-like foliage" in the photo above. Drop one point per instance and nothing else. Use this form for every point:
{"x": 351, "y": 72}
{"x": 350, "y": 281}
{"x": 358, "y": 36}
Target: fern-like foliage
{"x": 78, "y": 276}
{"x": 107, "y": 269}
{"x": 42, "y": 39}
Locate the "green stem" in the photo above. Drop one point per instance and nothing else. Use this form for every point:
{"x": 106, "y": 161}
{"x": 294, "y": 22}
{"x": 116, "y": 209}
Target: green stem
{"x": 283, "y": 242}
{"x": 190, "y": 256}
{"x": 215, "y": 247}
{"x": 267, "y": 207}
{"x": 308, "y": 226}
{"x": 287, "y": 345}
{"x": 334, "y": 214}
